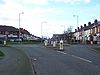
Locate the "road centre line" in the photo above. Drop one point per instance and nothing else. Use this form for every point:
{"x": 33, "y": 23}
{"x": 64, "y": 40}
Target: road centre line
{"x": 82, "y": 59}
{"x": 76, "y": 57}
{"x": 61, "y": 52}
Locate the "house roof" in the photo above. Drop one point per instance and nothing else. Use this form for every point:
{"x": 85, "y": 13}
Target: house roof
{"x": 98, "y": 23}
{"x": 23, "y": 31}
{"x": 7, "y": 28}
{"x": 57, "y": 34}
{"x": 89, "y": 27}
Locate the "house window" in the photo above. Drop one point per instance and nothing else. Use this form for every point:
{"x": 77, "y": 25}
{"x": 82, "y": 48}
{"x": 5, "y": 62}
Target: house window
{"x": 91, "y": 31}
{"x": 99, "y": 29}
{"x": 95, "y": 30}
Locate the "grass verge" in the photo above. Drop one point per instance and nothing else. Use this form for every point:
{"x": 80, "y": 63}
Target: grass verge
{"x": 24, "y": 42}
{"x": 97, "y": 49}
{"x": 1, "y": 53}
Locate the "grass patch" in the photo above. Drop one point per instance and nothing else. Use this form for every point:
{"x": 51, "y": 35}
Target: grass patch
{"x": 12, "y": 42}
{"x": 24, "y": 42}
{"x": 97, "y": 48}
{"x": 29, "y": 42}
{"x": 1, "y": 53}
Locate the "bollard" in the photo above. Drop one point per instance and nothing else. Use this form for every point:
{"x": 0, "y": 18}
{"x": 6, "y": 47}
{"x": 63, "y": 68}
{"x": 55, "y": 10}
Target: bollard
{"x": 46, "y": 42}
{"x": 54, "y": 44}
{"x": 4, "y": 42}
{"x": 51, "y": 43}
{"x": 61, "y": 45}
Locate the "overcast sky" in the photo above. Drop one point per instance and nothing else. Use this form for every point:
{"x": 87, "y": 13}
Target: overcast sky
{"x": 54, "y": 13}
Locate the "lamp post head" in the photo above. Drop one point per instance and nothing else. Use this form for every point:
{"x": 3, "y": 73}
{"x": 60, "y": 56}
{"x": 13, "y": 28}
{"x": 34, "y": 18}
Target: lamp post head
{"x": 22, "y": 13}
{"x": 75, "y": 15}
{"x": 44, "y": 22}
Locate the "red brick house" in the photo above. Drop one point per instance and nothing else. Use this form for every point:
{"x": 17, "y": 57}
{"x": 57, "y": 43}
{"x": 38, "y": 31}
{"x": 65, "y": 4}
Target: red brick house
{"x": 90, "y": 33}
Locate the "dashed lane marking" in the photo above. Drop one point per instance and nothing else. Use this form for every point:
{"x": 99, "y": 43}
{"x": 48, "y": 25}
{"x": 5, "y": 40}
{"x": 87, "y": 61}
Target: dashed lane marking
{"x": 81, "y": 58}
{"x": 76, "y": 57}
{"x": 62, "y": 52}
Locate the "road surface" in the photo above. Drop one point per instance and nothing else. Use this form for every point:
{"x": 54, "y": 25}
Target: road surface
{"x": 75, "y": 60}
{"x": 14, "y": 62}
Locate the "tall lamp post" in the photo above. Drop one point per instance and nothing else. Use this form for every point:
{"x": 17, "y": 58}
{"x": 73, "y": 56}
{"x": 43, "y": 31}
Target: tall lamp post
{"x": 77, "y": 18}
{"x": 42, "y": 29}
{"x": 19, "y": 24}
{"x": 64, "y": 31}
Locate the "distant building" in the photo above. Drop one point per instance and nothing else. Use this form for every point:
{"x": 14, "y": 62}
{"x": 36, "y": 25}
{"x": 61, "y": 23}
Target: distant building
{"x": 10, "y": 33}
{"x": 87, "y": 34}
{"x": 58, "y": 36}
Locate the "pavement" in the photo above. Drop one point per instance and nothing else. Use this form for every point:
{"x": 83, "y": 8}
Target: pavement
{"x": 74, "y": 60}
{"x": 15, "y": 62}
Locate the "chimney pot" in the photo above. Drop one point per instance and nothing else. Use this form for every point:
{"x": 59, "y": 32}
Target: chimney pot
{"x": 78, "y": 28}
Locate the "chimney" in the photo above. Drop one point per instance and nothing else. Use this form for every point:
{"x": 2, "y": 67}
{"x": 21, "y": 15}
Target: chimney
{"x": 78, "y": 28}
{"x": 95, "y": 21}
{"x": 75, "y": 30}
{"x": 84, "y": 25}
{"x": 81, "y": 26}
{"x": 89, "y": 23}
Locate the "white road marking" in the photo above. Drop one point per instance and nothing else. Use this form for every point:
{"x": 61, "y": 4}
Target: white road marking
{"x": 76, "y": 57}
{"x": 62, "y": 52}
{"x": 34, "y": 59}
{"x": 82, "y": 59}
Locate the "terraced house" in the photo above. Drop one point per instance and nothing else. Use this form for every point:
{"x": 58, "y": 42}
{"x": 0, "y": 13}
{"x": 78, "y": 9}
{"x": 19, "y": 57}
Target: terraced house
{"x": 88, "y": 34}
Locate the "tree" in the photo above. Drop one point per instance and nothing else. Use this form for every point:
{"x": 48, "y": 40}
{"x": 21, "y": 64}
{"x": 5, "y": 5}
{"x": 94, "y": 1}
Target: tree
{"x": 69, "y": 29}
{"x": 68, "y": 34}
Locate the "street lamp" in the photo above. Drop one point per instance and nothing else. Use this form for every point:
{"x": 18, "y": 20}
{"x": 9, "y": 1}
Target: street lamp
{"x": 19, "y": 24}
{"x": 42, "y": 29}
{"x": 64, "y": 31}
{"x": 77, "y": 18}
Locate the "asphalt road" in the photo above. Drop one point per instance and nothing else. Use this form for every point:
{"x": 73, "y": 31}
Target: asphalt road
{"x": 15, "y": 62}
{"x": 75, "y": 60}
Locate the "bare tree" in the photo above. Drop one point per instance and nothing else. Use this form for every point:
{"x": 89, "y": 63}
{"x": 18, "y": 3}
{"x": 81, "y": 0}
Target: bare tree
{"x": 69, "y": 29}
{"x": 68, "y": 34}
